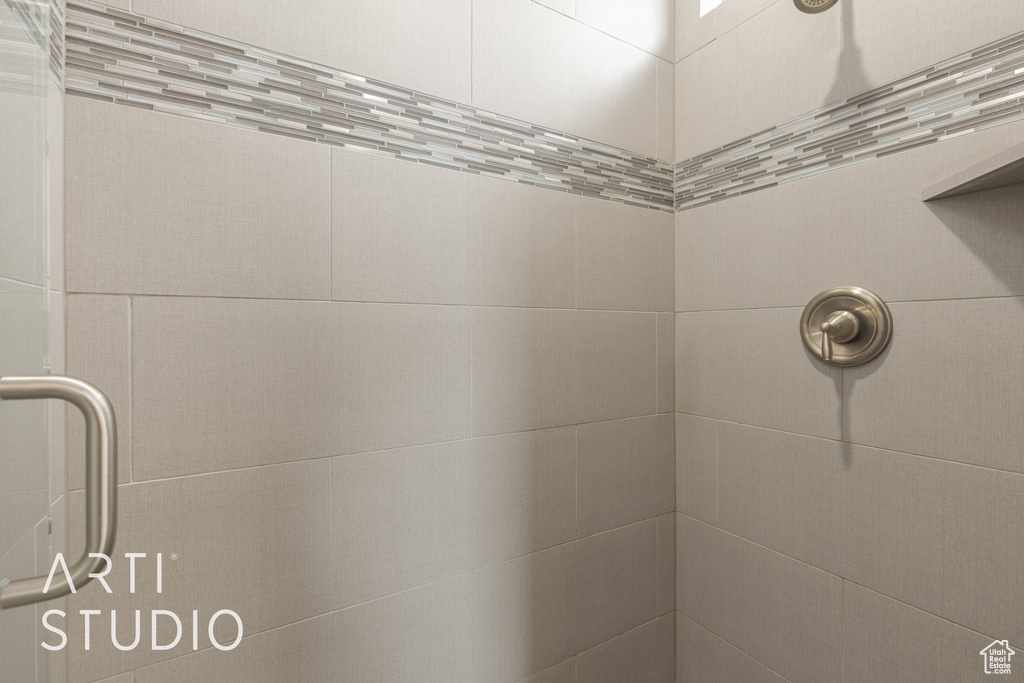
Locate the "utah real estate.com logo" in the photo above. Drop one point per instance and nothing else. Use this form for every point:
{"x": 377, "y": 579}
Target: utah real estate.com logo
{"x": 997, "y": 657}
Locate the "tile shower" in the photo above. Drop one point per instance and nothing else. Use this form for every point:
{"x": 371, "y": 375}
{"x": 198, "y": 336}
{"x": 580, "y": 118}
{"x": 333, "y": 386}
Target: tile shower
{"x": 457, "y": 340}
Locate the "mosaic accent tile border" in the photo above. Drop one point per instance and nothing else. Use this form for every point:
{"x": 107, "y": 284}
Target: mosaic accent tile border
{"x": 22, "y": 42}
{"x": 125, "y": 58}
{"x": 970, "y": 92}
{"x": 57, "y": 41}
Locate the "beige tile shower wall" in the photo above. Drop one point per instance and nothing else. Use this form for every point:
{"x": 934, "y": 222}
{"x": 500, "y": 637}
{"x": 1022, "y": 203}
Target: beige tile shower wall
{"x": 593, "y": 68}
{"x": 750, "y": 64}
{"x": 883, "y": 480}
{"x": 389, "y": 379}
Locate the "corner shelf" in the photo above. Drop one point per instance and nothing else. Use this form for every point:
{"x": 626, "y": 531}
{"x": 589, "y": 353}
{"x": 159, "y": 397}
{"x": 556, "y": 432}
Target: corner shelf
{"x": 1001, "y": 170}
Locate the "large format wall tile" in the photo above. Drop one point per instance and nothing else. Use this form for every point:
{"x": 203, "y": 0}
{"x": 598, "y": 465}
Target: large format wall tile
{"x": 616, "y": 582}
{"x": 543, "y": 67}
{"x": 736, "y": 667}
{"x": 255, "y": 541}
{"x": 696, "y": 257}
{"x": 222, "y": 383}
{"x": 646, "y": 24}
{"x": 624, "y": 257}
{"x": 625, "y": 472}
{"x": 535, "y": 597}
{"x": 781, "y": 491}
{"x": 945, "y": 356}
{"x": 666, "y": 362}
{"x": 884, "y": 40}
{"x": 564, "y": 672}
{"x": 424, "y": 46}
{"x": 941, "y": 536}
{"x": 643, "y": 655}
{"x": 269, "y": 657}
{"x": 697, "y": 467}
{"x": 751, "y": 366}
{"x": 225, "y": 212}
{"x": 769, "y": 605}
{"x": 522, "y": 369}
{"x": 544, "y": 368}
{"x": 870, "y": 516}
{"x": 878, "y": 634}
{"x": 696, "y": 652}
{"x": 781, "y": 246}
{"x": 99, "y": 352}
{"x": 616, "y": 372}
{"x": 409, "y": 516}
{"x": 412, "y": 233}
{"x": 694, "y": 31}
{"x": 666, "y": 563}
{"x": 747, "y": 93}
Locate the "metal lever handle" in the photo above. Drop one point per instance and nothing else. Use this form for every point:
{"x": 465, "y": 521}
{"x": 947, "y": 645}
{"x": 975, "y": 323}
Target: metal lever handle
{"x": 100, "y": 483}
{"x": 841, "y": 326}
{"x": 826, "y": 341}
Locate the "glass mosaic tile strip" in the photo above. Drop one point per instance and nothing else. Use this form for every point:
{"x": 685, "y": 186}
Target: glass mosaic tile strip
{"x": 128, "y": 59}
{"x": 43, "y": 22}
{"x": 970, "y": 92}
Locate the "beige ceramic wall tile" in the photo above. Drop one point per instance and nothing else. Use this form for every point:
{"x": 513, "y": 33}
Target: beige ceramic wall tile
{"x": 939, "y": 536}
{"x": 226, "y": 212}
{"x": 625, "y": 472}
{"x": 566, "y": 7}
{"x": 736, "y": 667}
{"x": 543, "y": 67}
{"x": 522, "y": 369}
{"x": 696, "y": 652}
{"x": 945, "y": 356}
{"x": 615, "y": 365}
{"x": 696, "y": 258}
{"x": 281, "y": 654}
{"x": 99, "y": 348}
{"x": 751, "y": 95}
{"x": 424, "y": 46}
{"x": 405, "y": 517}
{"x": 255, "y": 541}
{"x": 883, "y": 41}
{"x": 666, "y": 110}
{"x": 643, "y": 655}
{"x": 624, "y": 257}
{"x": 616, "y": 582}
{"x": 536, "y": 599}
{"x": 646, "y": 24}
{"x": 666, "y": 362}
{"x": 405, "y": 232}
{"x": 221, "y": 383}
{"x": 697, "y": 467}
{"x": 879, "y": 632}
{"x": 750, "y": 366}
{"x": 666, "y": 563}
{"x": 769, "y": 605}
{"x": 783, "y": 491}
{"x": 564, "y": 672}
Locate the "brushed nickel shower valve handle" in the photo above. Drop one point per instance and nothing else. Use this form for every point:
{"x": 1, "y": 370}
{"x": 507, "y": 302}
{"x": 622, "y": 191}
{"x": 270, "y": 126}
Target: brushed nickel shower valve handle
{"x": 841, "y": 326}
{"x": 100, "y": 485}
{"x": 846, "y": 326}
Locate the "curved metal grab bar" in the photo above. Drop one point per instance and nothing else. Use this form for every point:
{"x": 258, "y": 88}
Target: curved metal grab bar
{"x": 100, "y": 483}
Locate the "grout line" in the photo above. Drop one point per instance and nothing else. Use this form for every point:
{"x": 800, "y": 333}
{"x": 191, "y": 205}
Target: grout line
{"x": 824, "y": 571}
{"x": 730, "y": 644}
{"x": 298, "y": 300}
{"x": 858, "y": 444}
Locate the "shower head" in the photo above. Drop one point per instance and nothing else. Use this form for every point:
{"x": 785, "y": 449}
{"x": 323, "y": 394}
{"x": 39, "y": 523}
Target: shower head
{"x": 814, "y": 6}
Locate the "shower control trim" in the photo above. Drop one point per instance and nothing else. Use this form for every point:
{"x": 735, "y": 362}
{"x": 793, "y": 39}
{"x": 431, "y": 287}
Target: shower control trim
{"x": 846, "y": 326}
